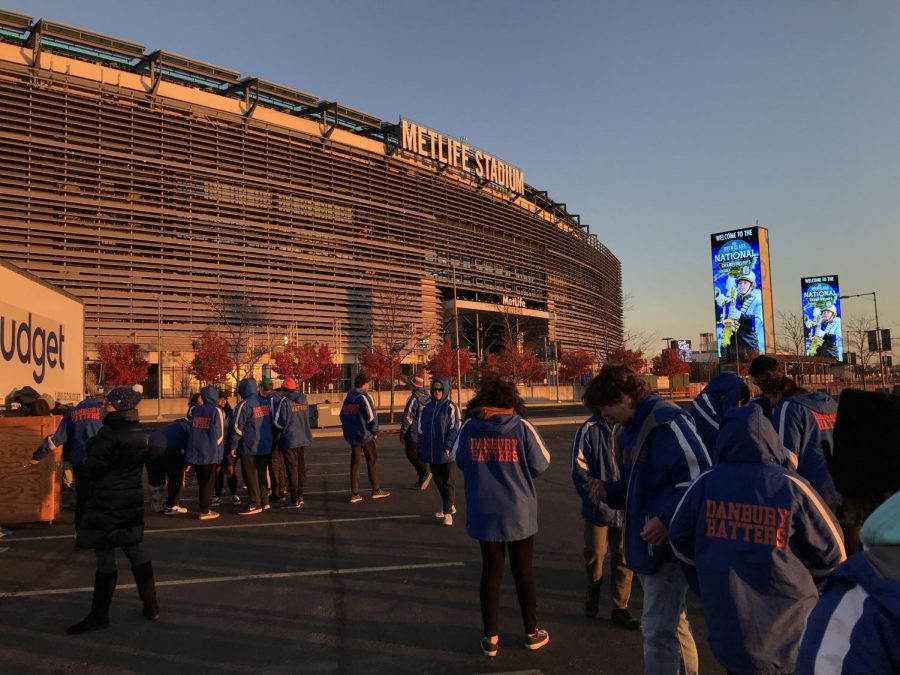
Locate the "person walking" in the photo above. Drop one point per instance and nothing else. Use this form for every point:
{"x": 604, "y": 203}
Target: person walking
{"x": 206, "y": 446}
{"x": 251, "y": 440}
{"x": 114, "y": 513}
{"x": 437, "y": 428}
{"x": 409, "y": 434}
{"x": 292, "y": 423}
{"x": 593, "y": 460}
{"x": 359, "y": 422}
{"x": 659, "y": 454}
{"x": 500, "y": 454}
{"x": 724, "y": 392}
{"x": 755, "y": 537}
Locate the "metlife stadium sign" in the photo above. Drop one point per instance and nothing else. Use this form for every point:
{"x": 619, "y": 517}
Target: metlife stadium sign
{"x": 821, "y": 297}
{"x": 742, "y": 292}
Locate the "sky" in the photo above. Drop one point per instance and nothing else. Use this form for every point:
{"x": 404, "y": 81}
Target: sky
{"x": 658, "y": 122}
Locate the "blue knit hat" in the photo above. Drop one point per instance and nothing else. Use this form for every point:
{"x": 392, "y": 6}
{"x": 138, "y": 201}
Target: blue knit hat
{"x": 123, "y": 398}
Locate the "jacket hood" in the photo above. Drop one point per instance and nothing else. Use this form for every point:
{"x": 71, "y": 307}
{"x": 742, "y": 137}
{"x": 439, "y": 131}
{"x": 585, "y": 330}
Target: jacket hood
{"x": 499, "y": 424}
{"x": 210, "y": 394}
{"x": 747, "y": 436}
{"x": 247, "y": 387}
{"x": 446, "y": 384}
{"x": 422, "y": 395}
{"x": 726, "y": 391}
{"x": 816, "y": 401}
{"x": 882, "y": 528}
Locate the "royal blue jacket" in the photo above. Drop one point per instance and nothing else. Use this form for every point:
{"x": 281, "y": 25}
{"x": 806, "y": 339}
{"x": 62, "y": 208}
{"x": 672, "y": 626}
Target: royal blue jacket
{"x": 724, "y": 392}
{"x": 172, "y": 437}
{"x": 251, "y": 427}
{"x": 755, "y": 535}
{"x": 417, "y": 400}
{"x": 77, "y": 427}
{"x": 592, "y": 457}
{"x": 500, "y": 457}
{"x": 206, "y": 443}
{"x": 359, "y": 419}
{"x": 805, "y": 425}
{"x": 292, "y": 420}
{"x": 763, "y": 403}
{"x": 659, "y": 455}
{"x": 438, "y": 427}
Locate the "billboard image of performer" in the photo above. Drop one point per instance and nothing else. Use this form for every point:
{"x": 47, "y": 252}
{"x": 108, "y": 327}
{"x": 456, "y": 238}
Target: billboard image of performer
{"x": 821, "y": 315}
{"x": 741, "y": 316}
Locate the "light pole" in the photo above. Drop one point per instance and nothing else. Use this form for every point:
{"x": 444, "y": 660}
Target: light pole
{"x": 159, "y": 360}
{"x": 877, "y": 331}
{"x": 456, "y": 334}
{"x": 667, "y": 341}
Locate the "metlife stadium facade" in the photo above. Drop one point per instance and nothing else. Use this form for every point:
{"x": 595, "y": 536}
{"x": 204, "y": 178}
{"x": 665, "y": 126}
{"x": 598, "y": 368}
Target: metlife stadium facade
{"x": 153, "y": 186}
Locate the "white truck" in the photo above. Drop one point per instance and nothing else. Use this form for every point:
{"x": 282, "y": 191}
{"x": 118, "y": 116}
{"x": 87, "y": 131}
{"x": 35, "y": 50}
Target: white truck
{"x": 41, "y": 336}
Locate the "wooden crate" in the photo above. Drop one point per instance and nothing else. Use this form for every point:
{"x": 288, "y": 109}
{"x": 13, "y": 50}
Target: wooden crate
{"x": 32, "y": 494}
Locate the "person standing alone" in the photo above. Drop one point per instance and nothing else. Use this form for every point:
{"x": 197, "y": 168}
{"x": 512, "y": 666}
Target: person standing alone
{"x": 359, "y": 421}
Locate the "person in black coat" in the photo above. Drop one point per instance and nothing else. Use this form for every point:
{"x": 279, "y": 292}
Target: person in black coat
{"x": 114, "y": 515}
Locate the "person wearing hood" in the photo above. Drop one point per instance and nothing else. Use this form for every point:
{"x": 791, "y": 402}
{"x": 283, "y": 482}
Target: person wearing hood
{"x": 206, "y": 446}
{"x": 437, "y": 428}
{"x": 226, "y": 470}
{"x": 658, "y": 453}
{"x": 292, "y": 421}
{"x": 77, "y": 427}
{"x": 854, "y": 628}
{"x": 114, "y": 515}
{"x": 275, "y": 472}
{"x": 500, "y": 454}
{"x": 359, "y": 422}
{"x": 593, "y": 460}
{"x": 805, "y": 424}
{"x": 409, "y": 425}
{"x": 251, "y": 440}
{"x": 755, "y": 538}
{"x": 724, "y": 392}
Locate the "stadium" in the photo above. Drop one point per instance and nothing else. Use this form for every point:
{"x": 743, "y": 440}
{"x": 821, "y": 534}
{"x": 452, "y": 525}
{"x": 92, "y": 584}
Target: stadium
{"x": 166, "y": 192}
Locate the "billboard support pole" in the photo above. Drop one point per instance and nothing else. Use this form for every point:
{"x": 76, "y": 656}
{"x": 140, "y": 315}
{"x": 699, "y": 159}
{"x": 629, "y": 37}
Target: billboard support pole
{"x": 877, "y": 335}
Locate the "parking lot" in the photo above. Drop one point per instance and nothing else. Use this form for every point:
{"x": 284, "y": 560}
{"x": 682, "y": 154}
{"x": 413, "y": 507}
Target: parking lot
{"x": 379, "y": 586}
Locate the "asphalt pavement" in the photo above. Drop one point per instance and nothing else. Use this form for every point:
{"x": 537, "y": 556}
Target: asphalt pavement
{"x": 376, "y": 587}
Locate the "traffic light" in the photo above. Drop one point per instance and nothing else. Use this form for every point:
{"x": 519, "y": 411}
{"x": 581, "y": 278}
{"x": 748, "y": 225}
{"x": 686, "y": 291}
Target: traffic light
{"x": 872, "y": 336}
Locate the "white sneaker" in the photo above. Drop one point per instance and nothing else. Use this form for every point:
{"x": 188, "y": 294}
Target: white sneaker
{"x": 175, "y": 510}
{"x": 441, "y": 514}
{"x": 448, "y": 519}
{"x": 209, "y": 515}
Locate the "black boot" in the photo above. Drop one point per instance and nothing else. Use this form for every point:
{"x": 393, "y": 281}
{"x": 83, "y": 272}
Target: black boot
{"x": 104, "y": 587}
{"x": 146, "y": 586}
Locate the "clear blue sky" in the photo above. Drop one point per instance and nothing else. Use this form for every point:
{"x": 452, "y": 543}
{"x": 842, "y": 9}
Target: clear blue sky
{"x": 659, "y": 122}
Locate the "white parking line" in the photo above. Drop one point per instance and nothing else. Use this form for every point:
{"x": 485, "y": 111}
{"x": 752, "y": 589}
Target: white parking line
{"x": 241, "y": 526}
{"x": 243, "y": 577}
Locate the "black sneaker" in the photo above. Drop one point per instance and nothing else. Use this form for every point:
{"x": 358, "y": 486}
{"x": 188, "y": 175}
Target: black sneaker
{"x": 250, "y": 511}
{"x": 624, "y": 618}
{"x": 489, "y": 648}
{"x": 380, "y": 494}
{"x": 537, "y": 639}
{"x": 355, "y": 499}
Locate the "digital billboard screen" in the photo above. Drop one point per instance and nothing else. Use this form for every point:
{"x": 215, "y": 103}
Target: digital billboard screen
{"x": 742, "y": 292}
{"x": 822, "y": 316}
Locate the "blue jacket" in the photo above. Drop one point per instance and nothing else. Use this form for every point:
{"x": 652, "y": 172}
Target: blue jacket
{"x": 359, "y": 419}
{"x": 77, "y": 427}
{"x": 756, "y": 535}
{"x": 251, "y": 427}
{"x": 805, "y": 425}
{"x": 438, "y": 427}
{"x": 499, "y": 458}
{"x": 206, "y": 442}
{"x": 292, "y": 420}
{"x": 417, "y": 400}
{"x": 659, "y": 455}
{"x": 763, "y": 403}
{"x": 172, "y": 437}
{"x": 592, "y": 457}
{"x": 855, "y": 628}
{"x": 724, "y": 392}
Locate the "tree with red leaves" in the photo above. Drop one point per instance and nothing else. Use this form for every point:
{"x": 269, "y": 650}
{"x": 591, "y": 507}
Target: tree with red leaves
{"x": 122, "y": 363}
{"x": 327, "y": 369}
{"x": 443, "y": 362}
{"x": 296, "y": 361}
{"x": 211, "y": 363}
{"x": 517, "y": 364}
{"x": 376, "y": 363}
{"x": 574, "y": 363}
{"x": 669, "y": 363}
{"x": 633, "y": 358}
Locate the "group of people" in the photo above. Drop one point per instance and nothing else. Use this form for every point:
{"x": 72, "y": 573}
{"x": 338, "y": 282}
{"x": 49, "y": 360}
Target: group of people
{"x": 732, "y": 498}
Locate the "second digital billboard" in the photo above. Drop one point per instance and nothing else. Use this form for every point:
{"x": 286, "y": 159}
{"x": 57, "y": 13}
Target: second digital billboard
{"x": 822, "y": 316}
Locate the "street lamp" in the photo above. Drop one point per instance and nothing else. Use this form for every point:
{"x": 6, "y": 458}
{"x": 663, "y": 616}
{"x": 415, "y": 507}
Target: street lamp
{"x": 668, "y": 342}
{"x": 877, "y": 329}
{"x": 456, "y": 333}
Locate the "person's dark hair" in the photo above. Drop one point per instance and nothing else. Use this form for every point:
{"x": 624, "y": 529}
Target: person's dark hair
{"x": 359, "y": 380}
{"x": 763, "y": 366}
{"x": 611, "y": 384}
{"x": 495, "y": 391}
{"x": 196, "y": 399}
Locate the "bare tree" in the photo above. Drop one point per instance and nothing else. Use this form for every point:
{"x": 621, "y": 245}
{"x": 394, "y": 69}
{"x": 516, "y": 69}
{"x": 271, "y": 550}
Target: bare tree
{"x": 791, "y": 337}
{"x": 243, "y": 327}
{"x": 856, "y": 335}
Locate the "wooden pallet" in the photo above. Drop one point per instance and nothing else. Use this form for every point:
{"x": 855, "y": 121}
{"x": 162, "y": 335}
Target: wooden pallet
{"x": 30, "y": 494}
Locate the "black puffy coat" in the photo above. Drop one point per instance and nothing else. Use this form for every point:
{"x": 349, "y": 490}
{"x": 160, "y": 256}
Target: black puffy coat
{"x": 114, "y": 515}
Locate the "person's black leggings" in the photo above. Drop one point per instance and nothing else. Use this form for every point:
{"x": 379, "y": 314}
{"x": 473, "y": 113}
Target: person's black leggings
{"x": 206, "y": 479}
{"x": 443, "y": 479}
{"x": 521, "y": 554}
{"x": 295, "y": 468}
{"x": 226, "y": 470}
{"x": 174, "y": 463}
{"x": 106, "y": 557}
